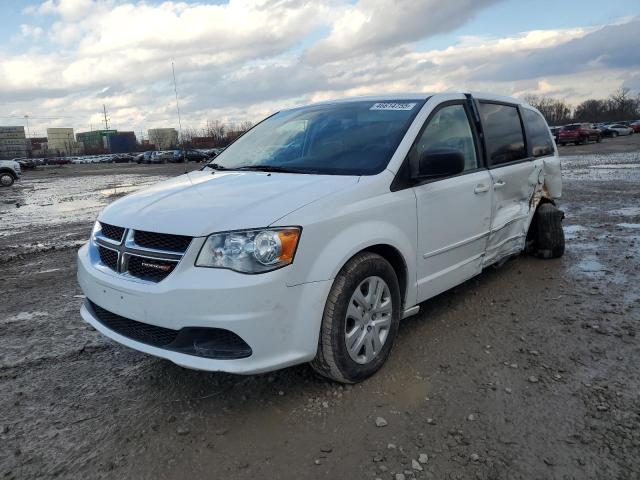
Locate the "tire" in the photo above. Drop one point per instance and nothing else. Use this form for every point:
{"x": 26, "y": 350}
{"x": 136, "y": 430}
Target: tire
{"x": 585, "y": 140}
{"x": 562, "y": 144}
{"x": 6, "y": 179}
{"x": 546, "y": 235}
{"x": 599, "y": 139}
{"x": 334, "y": 359}
{"x": 614, "y": 134}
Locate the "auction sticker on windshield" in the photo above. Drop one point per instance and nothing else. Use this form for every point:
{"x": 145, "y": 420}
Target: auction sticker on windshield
{"x": 392, "y": 106}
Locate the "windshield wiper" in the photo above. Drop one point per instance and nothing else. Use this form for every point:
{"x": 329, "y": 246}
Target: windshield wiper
{"x": 215, "y": 166}
{"x": 272, "y": 168}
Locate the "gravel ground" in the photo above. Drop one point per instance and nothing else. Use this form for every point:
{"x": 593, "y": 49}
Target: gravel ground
{"x": 528, "y": 371}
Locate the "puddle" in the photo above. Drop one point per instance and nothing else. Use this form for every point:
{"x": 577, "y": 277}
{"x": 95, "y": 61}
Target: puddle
{"x": 590, "y": 265}
{"x": 55, "y": 201}
{"x": 24, "y": 316}
{"x": 571, "y": 231}
{"x": 617, "y": 166}
{"x": 610, "y": 166}
{"x": 626, "y": 212}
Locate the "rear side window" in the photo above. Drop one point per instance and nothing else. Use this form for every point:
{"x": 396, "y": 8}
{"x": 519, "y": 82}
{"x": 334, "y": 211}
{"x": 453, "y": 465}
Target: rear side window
{"x": 503, "y": 133}
{"x": 539, "y": 137}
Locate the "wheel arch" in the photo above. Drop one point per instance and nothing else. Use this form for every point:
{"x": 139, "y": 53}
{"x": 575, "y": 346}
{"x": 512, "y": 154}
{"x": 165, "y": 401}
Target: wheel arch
{"x": 9, "y": 171}
{"x": 397, "y": 261}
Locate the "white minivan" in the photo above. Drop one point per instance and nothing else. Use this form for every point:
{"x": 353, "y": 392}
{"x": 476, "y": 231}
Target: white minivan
{"x": 318, "y": 230}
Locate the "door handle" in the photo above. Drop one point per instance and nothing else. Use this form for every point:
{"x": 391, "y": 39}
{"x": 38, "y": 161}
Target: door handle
{"x": 481, "y": 188}
{"x": 499, "y": 184}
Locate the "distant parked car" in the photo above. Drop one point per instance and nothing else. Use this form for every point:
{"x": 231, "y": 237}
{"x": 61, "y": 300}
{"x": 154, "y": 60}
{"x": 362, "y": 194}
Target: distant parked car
{"x": 189, "y": 156}
{"x": 636, "y": 126}
{"x": 26, "y": 163}
{"x": 605, "y": 131}
{"x": 579, "y": 133}
{"x": 554, "y": 132}
{"x": 163, "y": 157}
{"x": 148, "y": 157}
{"x": 58, "y": 161}
{"x": 122, "y": 158}
{"x": 620, "y": 129}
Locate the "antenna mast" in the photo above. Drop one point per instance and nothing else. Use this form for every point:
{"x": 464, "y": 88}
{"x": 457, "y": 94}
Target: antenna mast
{"x": 175, "y": 89}
{"x": 106, "y": 122}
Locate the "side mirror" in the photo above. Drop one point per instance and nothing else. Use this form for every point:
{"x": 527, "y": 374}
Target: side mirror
{"x": 439, "y": 162}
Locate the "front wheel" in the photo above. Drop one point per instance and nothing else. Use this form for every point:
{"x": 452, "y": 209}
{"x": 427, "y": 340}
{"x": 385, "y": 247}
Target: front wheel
{"x": 6, "y": 179}
{"x": 614, "y": 134}
{"x": 360, "y": 320}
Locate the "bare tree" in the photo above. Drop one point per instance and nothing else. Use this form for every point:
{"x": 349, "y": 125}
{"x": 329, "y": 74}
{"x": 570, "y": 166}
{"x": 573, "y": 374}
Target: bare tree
{"x": 591, "y": 110}
{"x": 622, "y": 105}
{"x": 555, "y": 111}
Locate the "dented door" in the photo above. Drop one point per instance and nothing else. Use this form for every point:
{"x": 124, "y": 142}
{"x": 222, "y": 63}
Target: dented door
{"x": 514, "y": 187}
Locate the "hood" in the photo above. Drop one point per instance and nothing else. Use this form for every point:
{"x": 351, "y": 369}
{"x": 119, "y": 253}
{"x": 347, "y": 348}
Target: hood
{"x": 204, "y": 202}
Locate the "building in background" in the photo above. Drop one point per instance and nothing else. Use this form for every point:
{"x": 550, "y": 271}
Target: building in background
{"x": 146, "y": 145}
{"x": 95, "y": 141}
{"x": 39, "y": 147}
{"x": 13, "y": 143}
{"x": 62, "y": 141}
{"x": 122, "y": 142}
{"x": 163, "y": 138}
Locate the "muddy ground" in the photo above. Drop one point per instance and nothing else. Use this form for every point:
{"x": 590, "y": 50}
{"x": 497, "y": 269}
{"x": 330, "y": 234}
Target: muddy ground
{"x": 531, "y": 371}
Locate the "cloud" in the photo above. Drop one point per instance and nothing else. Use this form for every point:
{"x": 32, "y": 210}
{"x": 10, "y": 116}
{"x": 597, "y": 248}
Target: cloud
{"x": 371, "y": 25}
{"x": 245, "y": 59}
{"x": 612, "y": 46}
{"x": 30, "y": 32}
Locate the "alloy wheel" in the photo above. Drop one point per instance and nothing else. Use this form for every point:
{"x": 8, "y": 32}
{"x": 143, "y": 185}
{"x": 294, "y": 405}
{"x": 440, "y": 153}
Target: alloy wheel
{"x": 368, "y": 319}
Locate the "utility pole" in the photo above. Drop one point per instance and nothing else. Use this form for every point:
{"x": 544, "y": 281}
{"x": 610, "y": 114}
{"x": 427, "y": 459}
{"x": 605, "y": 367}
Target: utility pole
{"x": 106, "y": 122}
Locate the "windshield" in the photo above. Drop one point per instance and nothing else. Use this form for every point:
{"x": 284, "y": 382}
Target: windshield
{"x": 572, "y": 127}
{"x": 354, "y": 138}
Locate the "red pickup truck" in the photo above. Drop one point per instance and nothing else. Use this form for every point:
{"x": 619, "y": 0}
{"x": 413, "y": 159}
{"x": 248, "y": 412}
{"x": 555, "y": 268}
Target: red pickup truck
{"x": 579, "y": 133}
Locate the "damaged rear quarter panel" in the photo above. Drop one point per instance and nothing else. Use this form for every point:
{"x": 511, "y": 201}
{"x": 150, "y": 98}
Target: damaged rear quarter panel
{"x": 552, "y": 176}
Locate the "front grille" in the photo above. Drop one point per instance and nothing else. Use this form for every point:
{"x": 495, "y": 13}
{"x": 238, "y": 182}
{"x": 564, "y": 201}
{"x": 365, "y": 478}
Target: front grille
{"x": 108, "y": 257}
{"x": 145, "y": 255}
{"x": 161, "y": 241}
{"x": 141, "y": 332}
{"x": 149, "y": 269}
{"x": 216, "y": 343}
{"x": 112, "y": 232}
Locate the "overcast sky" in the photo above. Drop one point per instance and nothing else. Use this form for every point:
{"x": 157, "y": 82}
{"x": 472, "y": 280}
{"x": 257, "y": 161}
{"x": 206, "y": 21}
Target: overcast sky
{"x": 244, "y": 59}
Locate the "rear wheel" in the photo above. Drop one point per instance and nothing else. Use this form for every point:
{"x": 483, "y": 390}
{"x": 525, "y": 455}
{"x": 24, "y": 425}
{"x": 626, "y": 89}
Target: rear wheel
{"x": 614, "y": 134}
{"x": 546, "y": 237}
{"x": 360, "y": 320}
{"x": 6, "y": 179}
{"x": 599, "y": 138}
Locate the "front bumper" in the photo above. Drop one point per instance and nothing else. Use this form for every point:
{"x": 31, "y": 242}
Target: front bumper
{"x": 281, "y": 324}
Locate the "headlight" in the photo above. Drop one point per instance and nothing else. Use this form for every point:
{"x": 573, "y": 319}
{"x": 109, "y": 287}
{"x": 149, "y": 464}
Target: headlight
{"x": 250, "y": 251}
{"x": 96, "y": 228}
